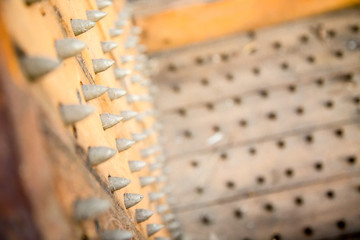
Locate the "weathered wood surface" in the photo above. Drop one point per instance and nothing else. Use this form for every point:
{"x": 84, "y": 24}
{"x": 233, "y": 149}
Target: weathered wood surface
{"x": 47, "y": 159}
{"x": 286, "y": 126}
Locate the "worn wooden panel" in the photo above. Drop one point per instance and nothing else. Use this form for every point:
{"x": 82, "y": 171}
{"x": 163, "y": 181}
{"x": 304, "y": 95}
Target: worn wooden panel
{"x": 265, "y": 117}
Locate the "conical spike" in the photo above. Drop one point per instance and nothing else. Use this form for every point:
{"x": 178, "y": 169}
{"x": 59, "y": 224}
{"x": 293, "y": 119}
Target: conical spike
{"x": 136, "y": 165}
{"x": 97, "y": 155}
{"x": 176, "y": 234}
{"x": 121, "y": 72}
{"x": 131, "y": 199}
{"x": 147, "y": 180}
{"x": 69, "y": 47}
{"x": 169, "y": 217}
{"x": 162, "y": 208}
{"x": 136, "y": 78}
{"x": 116, "y": 235}
{"x": 114, "y": 32}
{"x": 109, "y": 120}
{"x": 73, "y": 113}
{"x": 90, "y": 208}
{"x": 92, "y": 91}
{"x": 127, "y": 115}
{"x": 124, "y": 143}
{"x": 127, "y": 58}
{"x": 38, "y": 66}
{"x": 161, "y": 178}
{"x": 138, "y": 136}
{"x": 161, "y": 158}
{"x": 142, "y": 48}
{"x": 120, "y": 23}
{"x": 108, "y": 46}
{"x": 115, "y": 93}
{"x": 136, "y": 30}
{"x": 173, "y": 226}
{"x": 116, "y": 183}
{"x": 142, "y": 215}
{"x": 80, "y": 26}
{"x": 155, "y": 196}
{"x": 155, "y": 166}
{"x": 95, "y": 15}
{"x": 101, "y": 4}
{"x": 162, "y": 238}
{"x": 153, "y": 228}
{"x": 150, "y": 151}
{"x": 102, "y": 64}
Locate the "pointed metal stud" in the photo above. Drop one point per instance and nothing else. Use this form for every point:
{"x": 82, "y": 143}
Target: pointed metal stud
{"x": 150, "y": 151}
{"x": 154, "y": 196}
{"x": 169, "y": 217}
{"x": 131, "y": 199}
{"x": 120, "y": 73}
{"x": 114, "y": 32}
{"x": 101, "y": 4}
{"x": 147, "y": 180}
{"x": 92, "y": 91}
{"x": 97, "y": 155}
{"x": 136, "y": 30}
{"x": 138, "y": 98}
{"x": 109, "y": 120}
{"x": 142, "y": 48}
{"x": 161, "y": 178}
{"x": 138, "y": 136}
{"x": 127, "y": 58}
{"x": 176, "y": 234}
{"x": 161, "y": 208}
{"x": 90, "y": 208}
{"x": 117, "y": 183}
{"x": 38, "y": 66}
{"x": 116, "y": 235}
{"x": 136, "y": 79}
{"x": 115, "y": 93}
{"x": 155, "y": 166}
{"x": 123, "y": 144}
{"x": 69, "y": 47}
{"x": 142, "y": 215}
{"x": 127, "y": 115}
{"x": 136, "y": 165}
{"x": 108, "y": 46}
{"x": 141, "y": 116}
{"x": 151, "y": 229}
{"x": 95, "y": 15}
{"x": 161, "y": 158}
{"x": 120, "y": 23}
{"x": 102, "y": 64}
{"x": 73, "y": 113}
{"x": 173, "y": 226}
{"x": 80, "y": 26}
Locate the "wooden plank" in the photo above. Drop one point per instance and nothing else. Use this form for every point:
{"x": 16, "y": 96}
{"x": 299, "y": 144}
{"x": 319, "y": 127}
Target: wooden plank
{"x": 207, "y": 21}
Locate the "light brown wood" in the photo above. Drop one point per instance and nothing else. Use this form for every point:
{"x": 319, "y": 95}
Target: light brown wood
{"x": 207, "y": 21}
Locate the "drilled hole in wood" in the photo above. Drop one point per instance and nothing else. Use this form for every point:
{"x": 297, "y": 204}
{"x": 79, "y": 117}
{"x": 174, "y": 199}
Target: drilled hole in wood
{"x": 223, "y": 156}
{"x": 224, "y": 57}
{"x": 176, "y": 88}
{"x": 284, "y": 66}
{"x": 206, "y": 220}
{"x": 237, "y": 100}
{"x": 256, "y": 71}
{"x": 339, "y": 132}
{"x": 276, "y": 236}
{"x": 199, "y": 60}
{"x": 310, "y": 59}
{"x": 199, "y": 190}
{"x": 308, "y": 231}
{"x": 229, "y": 77}
{"x": 271, "y": 116}
{"x": 84, "y": 237}
{"x": 358, "y": 189}
{"x": 354, "y": 28}
{"x": 268, "y": 207}
{"x": 318, "y": 166}
{"x": 309, "y": 139}
{"x": 291, "y": 88}
{"x": 341, "y": 224}
{"x": 216, "y": 128}
{"x": 276, "y": 45}
{"x": 289, "y": 172}
{"x": 204, "y": 82}
{"x": 187, "y": 134}
{"x": 280, "y": 144}
{"x": 260, "y": 180}
{"x": 351, "y": 160}
{"x": 331, "y": 33}
{"x": 347, "y": 78}
{"x": 356, "y": 100}
{"x": 263, "y": 93}
{"x": 243, "y": 123}
{"x": 329, "y": 104}
{"x": 251, "y": 34}
{"x": 210, "y": 106}
{"x": 252, "y": 151}
{"x": 74, "y": 132}
{"x": 182, "y": 112}
{"x": 338, "y": 53}
{"x": 194, "y": 163}
{"x": 230, "y": 184}
{"x": 304, "y": 39}
{"x": 172, "y": 67}
{"x": 238, "y": 213}
{"x": 299, "y": 110}
{"x": 298, "y": 201}
{"x": 319, "y": 82}
{"x": 330, "y": 194}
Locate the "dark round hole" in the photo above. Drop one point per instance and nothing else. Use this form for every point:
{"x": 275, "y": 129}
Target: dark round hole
{"x": 238, "y": 213}
{"x": 331, "y": 33}
{"x": 260, "y": 180}
{"x": 276, "y": 236}
{"x": 187, "y": 134}
{"x": 224, "y": 57}
{"x": 237, "y": 100}
{"x": 216, "y": 128}
{"x": 271, "y": 116}
{"x": 229, "y": 77}
{"x": 176, "y": 88}
{"x": 304, "y": 39}
{"x": 329, "y": 104}
{"x": 309, "y": 139}
{"x": 182, "y": 112}
{"x": 280, "y": 144}
{"x": 356, "y": 100}
{"x": 172, "y": 67}
{"x": 299, "y": 201}
{"x": 206, "y": 220}
{"x": 210, "y": 106}
{"x": 299, "y": 110}
{"x": 308, "y": 231}
{"x": 351, "y": 159}
{"x": 194, "y": 163}
{"x": 338, "y": 53}
{"x": 276, "y": 45}
{"x": 252, "y": 151}
{"x": 199, "y": 190}
{"x": 339, "y": 133}
{"x": 341, "y": 224}
{"x": 256, "y": 71}
{"x": 292, "y": 88}
{"x": 284, "y": 66}
{"x": 319, "y": 82}
{"x": 223, "y": 156}
{"x": 330, "y": 194}
{"x": 358, "y": 189}
{"x": 289, "y": 172}
{"x": 251, "y": 34}
{"x": 263, "y": 93}
{"x": 310, "y": 59}
{"x": 199, "y": 60}
{"x": 230, "y": 184}
{"x": 204, "y": 82}
{"x": 318, "y": 166}
{"x": 269, "y": 207}
{"x": 354, "y": 28}
{"x": 243, "y": 123}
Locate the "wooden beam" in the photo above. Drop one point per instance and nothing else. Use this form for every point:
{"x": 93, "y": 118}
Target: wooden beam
{"x": 201, "y": 22}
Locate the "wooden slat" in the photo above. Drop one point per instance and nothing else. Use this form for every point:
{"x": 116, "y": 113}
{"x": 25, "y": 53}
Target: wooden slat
{"x": 201, "y": 22}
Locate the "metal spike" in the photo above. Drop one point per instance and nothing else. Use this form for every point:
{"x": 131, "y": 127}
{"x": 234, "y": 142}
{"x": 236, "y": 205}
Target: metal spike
{"x": 127, "y": 58}
{"x": 101, "y": 4}
{"x": 69, "y": 47}
{"x": 109, "y": 120}
{"x": 136, "y": 78}
{"x": 121, "y": 73}
{"x": 131, "y": 199}
{"x": 102, "y": 64}
{"x": 116, "y": 183}
{"x": 155, "y": 196}
{"x": 162, "y": 208}
{"x": 97, "y": 155}
{"x": 161, "y": 178}
{"x": 142, "y": 48}
{"x": 120, "y": 23}
{"x": 95, "y": 15}
{"x": 80, "y": 26}
{"x": 136, "y": 165}
{"x": 115, "y": 93}
{"x": 108, "y": 46}
{"x": 73, "y": 113}
{"x": 92, "y": 91}
{"x": 155, "y": 166}
{"x": 162, "y": 238}
{"x": 127, "y": 115}
{"x": 169, "y": 217}
{"x": 114, "y": 32}
{"x": 176, "y": 234}
{"x": 153, "y": 228}
{"x": 173, "y": 226}
{"x": 161, "y": 158}
{"x": 143, "y": 115}
{"x": 142, "y": 215}
{"x": 90, "y": 208}
{"x": 150, "y": 151}
{"x": 123, "y": 143}
{"x": 116, "y": 235}
{"x": 138, "y": 98}
{"x": 136, "y": 30}
{"x": 138, "y": 136}
{"x": 147, "y": 180}
{"x": 38, "y": 66}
